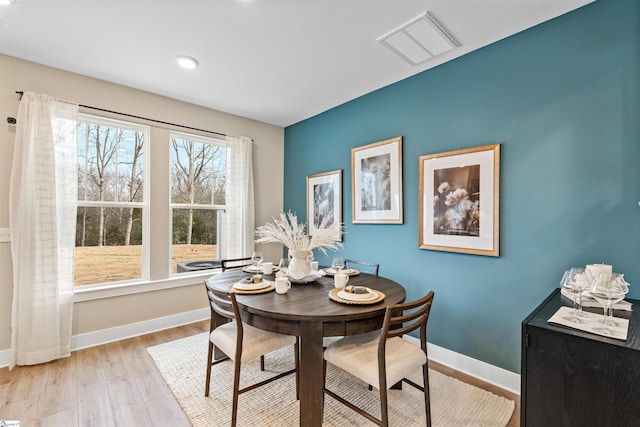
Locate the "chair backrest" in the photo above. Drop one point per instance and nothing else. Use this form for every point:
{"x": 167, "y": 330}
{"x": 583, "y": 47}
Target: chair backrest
{"x": 227, "y": 264}
{"x": 403, "y": 318}
{"x": 221, "y": 302}
{"x": 367, "y": 267}
{"x": 224, "y": 304}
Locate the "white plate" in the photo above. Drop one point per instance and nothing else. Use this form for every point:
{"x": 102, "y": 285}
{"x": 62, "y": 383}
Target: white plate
{"x": 252, "y": 269}
{"x": 347, "y": 271}
{"x": 251, "y": 286}
{"x": 358, "y": 297}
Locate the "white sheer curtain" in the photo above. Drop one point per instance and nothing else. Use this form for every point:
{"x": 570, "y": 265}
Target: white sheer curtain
{"x": 42, "y": 199}
{"x": 239, "y": 197}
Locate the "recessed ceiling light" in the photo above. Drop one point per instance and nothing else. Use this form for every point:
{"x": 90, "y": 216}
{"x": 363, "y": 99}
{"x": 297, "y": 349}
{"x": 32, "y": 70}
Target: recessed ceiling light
{"x": 6, "y": 2}
{"x": 187, "y": 62}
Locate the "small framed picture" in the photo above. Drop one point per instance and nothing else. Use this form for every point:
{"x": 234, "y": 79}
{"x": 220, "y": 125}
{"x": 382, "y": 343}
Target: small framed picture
{"x": 324, "y": 200}
{"x": 460, "y": 200}
{"x": 376, "y": 182}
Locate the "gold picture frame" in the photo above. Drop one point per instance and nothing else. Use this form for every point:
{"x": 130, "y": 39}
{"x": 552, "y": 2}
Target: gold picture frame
{"x": 324, "y": 199}
{"x": 459, "y": 196}
{"x": 376, "y": 182}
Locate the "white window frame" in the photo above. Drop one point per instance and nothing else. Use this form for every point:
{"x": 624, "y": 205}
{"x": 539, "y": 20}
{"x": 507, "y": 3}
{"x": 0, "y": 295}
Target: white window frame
{"x": 144, "y": 205}
{"x": 197, "y": 206}
{"x": 169, "y": 281}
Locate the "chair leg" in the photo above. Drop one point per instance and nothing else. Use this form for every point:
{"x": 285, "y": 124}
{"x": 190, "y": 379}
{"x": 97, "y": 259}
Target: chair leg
{"x": 296, "y": 356}
{"x": 208, "y": 380}
{"x": 236, "y": 392}
{"x": 384, "y": 409}
{"x": 324, "y": 380}
{"x": 427, "y": 396}
{"x": 262, "y": 362}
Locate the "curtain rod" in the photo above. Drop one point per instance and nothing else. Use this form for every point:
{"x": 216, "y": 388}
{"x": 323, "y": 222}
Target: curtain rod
{"x": 12, "y": 120}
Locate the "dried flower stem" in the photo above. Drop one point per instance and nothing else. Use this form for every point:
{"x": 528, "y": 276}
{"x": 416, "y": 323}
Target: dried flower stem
{"x": 288, "y": 231}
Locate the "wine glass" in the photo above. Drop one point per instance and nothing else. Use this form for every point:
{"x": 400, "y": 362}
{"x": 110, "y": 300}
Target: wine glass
{"x": 283, "y": 265}
{"x": 256, "y": 261}
{"x": 337, "y": 264}
{"x": 576, "y": 281}
{"x": 608, "y": 290}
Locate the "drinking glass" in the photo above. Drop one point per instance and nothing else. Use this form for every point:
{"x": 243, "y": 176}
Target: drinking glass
{"x": 283, "y": 265}
{"x": 608, "y": 290}
{"x": 576, "y": 281}
{"x": 337, "y": 264}
{"x": 256, "y": 261}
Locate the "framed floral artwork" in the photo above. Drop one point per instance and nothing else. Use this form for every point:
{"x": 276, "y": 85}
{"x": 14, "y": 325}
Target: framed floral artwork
{"x": 376, "y": 182}
{"x": 324, "y": 200}
{"x": 459, "y": 195}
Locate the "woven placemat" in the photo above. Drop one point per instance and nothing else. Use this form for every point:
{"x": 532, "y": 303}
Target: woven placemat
{"x": 333, "y": 295}
{"x": 348, "y": 271}
{"x": 251, "y": 291}
{"x": 249, "y": 269}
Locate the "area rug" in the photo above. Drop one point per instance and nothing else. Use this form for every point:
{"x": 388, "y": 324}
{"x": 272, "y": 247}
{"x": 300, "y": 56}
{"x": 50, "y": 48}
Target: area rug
{"x": 182, "y": 364}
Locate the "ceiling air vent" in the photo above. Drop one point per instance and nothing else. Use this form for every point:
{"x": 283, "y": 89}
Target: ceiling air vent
{"x": 418, "y": 40}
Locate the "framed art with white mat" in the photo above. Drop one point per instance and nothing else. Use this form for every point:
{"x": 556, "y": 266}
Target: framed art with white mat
{"x": 459, "y": 195}
{"x": 376, "y": 182}
{"x": 324, "y": 200}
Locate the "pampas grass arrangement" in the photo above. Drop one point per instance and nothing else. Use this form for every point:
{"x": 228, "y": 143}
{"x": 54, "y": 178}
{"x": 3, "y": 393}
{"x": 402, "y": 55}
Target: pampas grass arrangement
{"x": 288, "y": 231}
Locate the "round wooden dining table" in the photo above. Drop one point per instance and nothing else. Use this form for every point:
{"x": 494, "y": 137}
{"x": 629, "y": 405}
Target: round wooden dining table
{"x": 307, "y": 311}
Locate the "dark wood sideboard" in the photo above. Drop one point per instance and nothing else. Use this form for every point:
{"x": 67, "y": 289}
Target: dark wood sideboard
{"x": 574, "y": 378}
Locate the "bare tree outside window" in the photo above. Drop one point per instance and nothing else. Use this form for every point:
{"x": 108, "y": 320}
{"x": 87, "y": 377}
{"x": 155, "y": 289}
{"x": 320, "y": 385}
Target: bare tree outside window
{"x": 134, "y": 182}
{"x": 198, "y": 178}
{"x": 110, "y": 201}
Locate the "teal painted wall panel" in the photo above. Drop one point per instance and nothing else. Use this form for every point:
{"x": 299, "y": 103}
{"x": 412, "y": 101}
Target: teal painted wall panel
{"x": 563, "y": 100}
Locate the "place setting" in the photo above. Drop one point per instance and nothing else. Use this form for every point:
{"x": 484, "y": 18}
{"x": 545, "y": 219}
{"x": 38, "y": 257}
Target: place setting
{"x": 253, "y": 285}
{"x": 259, "y": 266}
{"x": 337, "y": 266}
{"x": 266, "y": 268}
{"x": 353, "y": 294}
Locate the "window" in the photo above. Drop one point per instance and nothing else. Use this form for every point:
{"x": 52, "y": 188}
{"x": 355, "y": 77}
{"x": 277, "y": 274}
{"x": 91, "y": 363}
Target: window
{"x": 198, "y": 179}
{"x": 114, "y": 242}
{"x": 112, "y": 210}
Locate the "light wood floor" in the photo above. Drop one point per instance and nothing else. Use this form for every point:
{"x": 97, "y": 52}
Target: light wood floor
{"x": 116, "y": 384}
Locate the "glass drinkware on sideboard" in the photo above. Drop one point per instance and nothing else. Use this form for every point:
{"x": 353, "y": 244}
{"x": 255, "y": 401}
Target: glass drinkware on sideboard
{"x": 576, "y": 281}
{"x": 608, "y": 290}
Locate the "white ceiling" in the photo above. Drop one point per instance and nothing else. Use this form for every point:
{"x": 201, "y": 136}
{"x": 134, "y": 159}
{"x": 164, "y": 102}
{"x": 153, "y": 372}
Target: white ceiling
{"x": 276, "y": 61}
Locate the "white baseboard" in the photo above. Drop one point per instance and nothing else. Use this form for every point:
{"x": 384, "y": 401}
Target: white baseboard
{"x": 491, "y": 374}
{"x": 104, "y": 336}
{"x": 499, "y": 377}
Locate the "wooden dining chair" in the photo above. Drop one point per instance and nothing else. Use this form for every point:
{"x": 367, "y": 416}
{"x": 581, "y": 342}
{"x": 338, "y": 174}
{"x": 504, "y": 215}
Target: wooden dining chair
{"x": 228, "y": 264}
{"x": 235, "y": 263}
{"x": 382, "y": 358}
{"x": 241, "y": 342}
{"x": 364, "y": 266}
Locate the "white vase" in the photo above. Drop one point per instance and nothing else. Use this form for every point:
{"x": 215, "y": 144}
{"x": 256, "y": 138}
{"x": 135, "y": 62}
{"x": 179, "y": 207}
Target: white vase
{"x": 299, "y": 263}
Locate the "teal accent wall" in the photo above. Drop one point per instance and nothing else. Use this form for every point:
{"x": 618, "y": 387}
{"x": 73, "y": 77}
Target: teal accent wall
{"x": 563, "y": 99}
